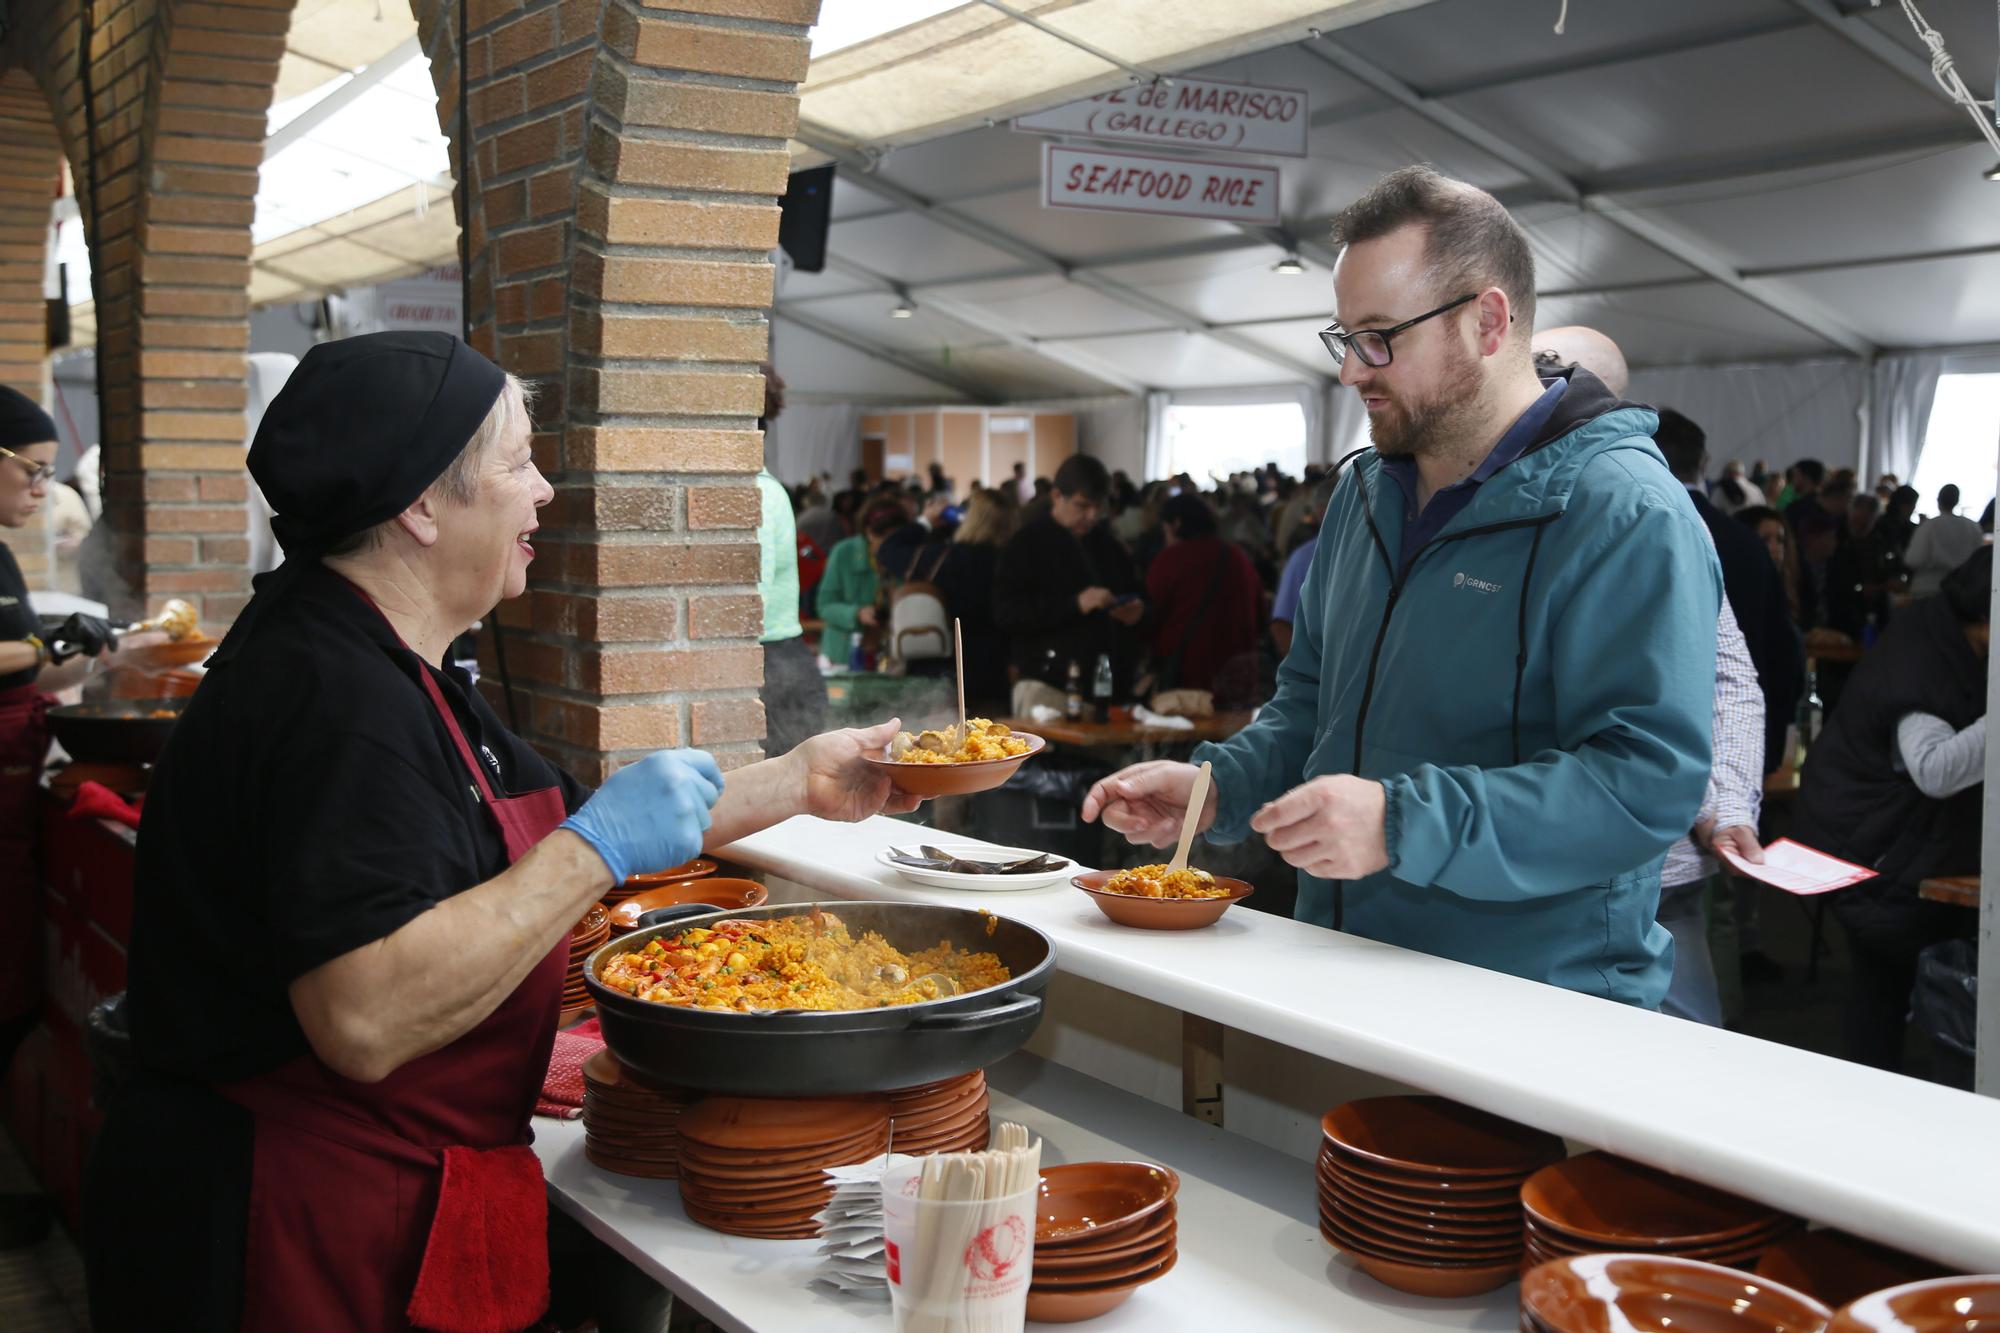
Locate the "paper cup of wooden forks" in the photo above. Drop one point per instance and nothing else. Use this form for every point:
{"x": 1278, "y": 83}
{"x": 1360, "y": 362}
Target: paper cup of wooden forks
{"x": 956, "y": 1266}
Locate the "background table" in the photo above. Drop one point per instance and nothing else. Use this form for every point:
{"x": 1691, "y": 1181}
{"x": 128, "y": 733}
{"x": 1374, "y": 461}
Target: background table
{"x": 1124, "y": 735}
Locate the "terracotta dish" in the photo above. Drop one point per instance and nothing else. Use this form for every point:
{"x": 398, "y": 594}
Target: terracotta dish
{"x": 1071, "y": 1305}
{"x": 1942, "y": 1305}
{"x": 727, "y": 894}
{"x": 1596, "y": 1200}
{"x": 1082, "y": 1199}
{"x": 1161, "y": 913}
{"x": 694, "y": 869}
{"x": 956, "y": 779}
{"x": 1656, "y": 1294}
{"x": 1835, "y": 1267}
{"x": 1436, "y": 1136}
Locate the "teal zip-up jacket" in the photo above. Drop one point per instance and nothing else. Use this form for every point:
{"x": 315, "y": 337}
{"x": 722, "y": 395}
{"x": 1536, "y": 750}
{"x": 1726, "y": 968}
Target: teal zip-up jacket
{"x": 1533, "y": 692}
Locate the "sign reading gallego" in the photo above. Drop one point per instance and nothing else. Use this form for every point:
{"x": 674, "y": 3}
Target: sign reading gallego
{"x": 1188, "y": 113}
{"x": 1110, "y": 182}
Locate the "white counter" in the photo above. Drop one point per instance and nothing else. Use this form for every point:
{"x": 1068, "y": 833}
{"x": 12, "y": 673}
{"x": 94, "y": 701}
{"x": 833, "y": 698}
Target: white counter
{"x": 1909, "y": 1163}
{"x": 1250, "y": 1251}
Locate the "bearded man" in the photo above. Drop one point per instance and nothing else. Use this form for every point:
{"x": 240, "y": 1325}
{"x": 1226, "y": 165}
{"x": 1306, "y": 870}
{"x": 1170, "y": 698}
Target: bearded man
{"x": 1496, "y": 703}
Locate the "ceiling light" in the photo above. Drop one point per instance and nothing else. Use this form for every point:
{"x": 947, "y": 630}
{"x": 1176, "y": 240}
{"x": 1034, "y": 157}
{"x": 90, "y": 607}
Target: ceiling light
{"x": 1291, "y": 266}
{"x": 904, "y": 309}
{"x": 1992, "y": 173}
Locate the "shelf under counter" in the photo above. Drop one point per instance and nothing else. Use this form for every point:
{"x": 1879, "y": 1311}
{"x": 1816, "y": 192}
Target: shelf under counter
{"x": 1896, "y": 1159}
{"x": 1249, "y": 1245}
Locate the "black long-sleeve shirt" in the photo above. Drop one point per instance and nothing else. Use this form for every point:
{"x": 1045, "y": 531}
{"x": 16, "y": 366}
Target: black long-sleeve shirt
{"x": 1041, "y": 571}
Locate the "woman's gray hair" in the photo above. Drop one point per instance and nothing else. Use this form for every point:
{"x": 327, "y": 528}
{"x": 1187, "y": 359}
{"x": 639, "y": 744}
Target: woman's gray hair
{"x": 458, "y": 484}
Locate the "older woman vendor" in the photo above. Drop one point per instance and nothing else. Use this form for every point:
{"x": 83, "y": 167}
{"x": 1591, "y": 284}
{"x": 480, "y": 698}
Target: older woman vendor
{"x": 355, "y": 890}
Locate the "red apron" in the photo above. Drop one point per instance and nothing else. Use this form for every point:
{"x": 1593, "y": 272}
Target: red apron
{"x": 414, "y": 1201}
{"x": 24, "y": 746}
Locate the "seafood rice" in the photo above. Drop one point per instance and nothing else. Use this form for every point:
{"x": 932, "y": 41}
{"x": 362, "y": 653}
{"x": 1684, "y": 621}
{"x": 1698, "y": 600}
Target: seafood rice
{"x": 1155, "y": 882}
{"x": 797, "y": 962}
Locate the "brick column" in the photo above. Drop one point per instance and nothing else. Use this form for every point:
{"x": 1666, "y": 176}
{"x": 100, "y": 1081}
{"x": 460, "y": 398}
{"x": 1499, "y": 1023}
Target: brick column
{"x": 625, "y": 171}
{"x": 175, "y": 136}
{"x": 30, "y": 181}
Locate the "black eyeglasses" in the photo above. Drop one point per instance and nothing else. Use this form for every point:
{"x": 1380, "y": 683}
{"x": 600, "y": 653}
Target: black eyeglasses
{"x": 37, "y": 472}
{"x": 1372, "y": 345}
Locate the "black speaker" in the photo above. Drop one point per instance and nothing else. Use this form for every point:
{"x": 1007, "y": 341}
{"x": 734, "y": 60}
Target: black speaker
{"x": 58, "y": 332}
{"x": 803, "y": 216}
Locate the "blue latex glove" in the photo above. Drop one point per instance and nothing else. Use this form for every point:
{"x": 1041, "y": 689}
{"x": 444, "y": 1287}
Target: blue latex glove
{"x": 650, "y": 815}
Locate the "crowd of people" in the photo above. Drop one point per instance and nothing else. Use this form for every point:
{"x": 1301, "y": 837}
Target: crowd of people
{"x": 1519, "y": 684}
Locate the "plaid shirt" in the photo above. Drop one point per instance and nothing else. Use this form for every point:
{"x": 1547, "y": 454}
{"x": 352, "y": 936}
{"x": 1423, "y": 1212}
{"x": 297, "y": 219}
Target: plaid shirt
{"x": 1736, "y": 775}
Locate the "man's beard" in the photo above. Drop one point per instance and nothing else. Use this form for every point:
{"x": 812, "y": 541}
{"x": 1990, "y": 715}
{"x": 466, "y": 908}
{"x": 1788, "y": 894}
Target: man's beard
{"x": 1412, "y": 428}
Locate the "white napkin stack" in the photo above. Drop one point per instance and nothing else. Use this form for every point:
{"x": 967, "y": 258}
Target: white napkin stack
{"x": 850, "y": 1227}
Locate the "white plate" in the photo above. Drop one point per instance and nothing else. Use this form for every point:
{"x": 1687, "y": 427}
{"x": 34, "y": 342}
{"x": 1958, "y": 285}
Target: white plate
{"x": 944, "y": 879}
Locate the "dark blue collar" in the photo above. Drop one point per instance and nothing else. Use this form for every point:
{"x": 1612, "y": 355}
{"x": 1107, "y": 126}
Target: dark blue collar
{"x": 1527, "y": 428}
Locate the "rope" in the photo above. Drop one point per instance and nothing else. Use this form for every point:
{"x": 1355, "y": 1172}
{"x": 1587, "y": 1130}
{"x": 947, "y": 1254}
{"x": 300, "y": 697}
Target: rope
{"x": 1562, "y": 17}
{"x": 1947, "y": 75}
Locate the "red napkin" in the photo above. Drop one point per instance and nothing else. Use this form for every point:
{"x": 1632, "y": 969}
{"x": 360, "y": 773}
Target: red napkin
{"x": 486, "y": 1263}
{"x": 562, "y": 1090}
{"x": 94, "y": 800}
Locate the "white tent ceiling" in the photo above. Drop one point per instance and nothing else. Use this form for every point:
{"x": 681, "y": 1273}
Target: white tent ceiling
{"x": 1707, "y": 181}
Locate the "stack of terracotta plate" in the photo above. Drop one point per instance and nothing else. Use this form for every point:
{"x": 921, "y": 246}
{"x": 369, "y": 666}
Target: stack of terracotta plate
{"x": 1102, "y": 1231}
{"x": 1941, "y": 1305}
{"x": 1424, "y": 1193}
{"x": 946, "y": 1116}
{"x": 1595, "y": 1203}
{"x": 1639, "y": 1293}
{"x": 754, "y": 1166}
{"x": 694, "y": 869}
{"x": 629, "y": 1126}
{"x": 584, "y": 937}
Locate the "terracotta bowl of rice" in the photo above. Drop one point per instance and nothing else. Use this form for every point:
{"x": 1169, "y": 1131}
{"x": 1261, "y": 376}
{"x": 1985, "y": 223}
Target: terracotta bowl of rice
{"x": 1145, "y": 898}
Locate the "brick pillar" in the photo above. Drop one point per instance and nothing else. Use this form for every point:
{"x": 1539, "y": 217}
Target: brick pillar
{"x": 175, "y": 135}
{"x": 625, "y": 171}
{"x": 30, "y": 181}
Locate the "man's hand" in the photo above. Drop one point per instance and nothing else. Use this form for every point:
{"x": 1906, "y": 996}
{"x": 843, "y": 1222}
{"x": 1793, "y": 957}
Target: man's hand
{"x": 1329, "y": 827}
{"x": 1739, "y": 839}
{"x": 1094, "y": 599}
{"x": 934, "y": 510}
{"x": 833, "y": 779}
{"x": 1148, "y": 802}
{"x": 1130, "y": 613}
{"x": 866, "y": 616}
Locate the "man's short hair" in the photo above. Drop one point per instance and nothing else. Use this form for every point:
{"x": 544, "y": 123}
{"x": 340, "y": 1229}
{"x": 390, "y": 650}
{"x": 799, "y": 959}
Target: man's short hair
{"x": 1811, "y": 469}
{"x": 1839, "y": 484}
{"x": 1947, "y": 499}
{"x": 1684, "y": 443}
{"x": 1471, "y": 242}
{"x": 1083, "y": 477}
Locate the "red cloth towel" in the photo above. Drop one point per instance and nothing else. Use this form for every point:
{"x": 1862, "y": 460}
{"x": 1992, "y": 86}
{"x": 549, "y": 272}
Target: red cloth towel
{"x": 486, "y": 1264}
{"x": 94, "y": 800}
{"x": 562, "y": 1090}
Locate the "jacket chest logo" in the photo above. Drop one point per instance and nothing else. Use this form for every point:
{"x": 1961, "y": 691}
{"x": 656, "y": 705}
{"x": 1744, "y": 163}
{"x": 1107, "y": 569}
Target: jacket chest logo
{"x": 1465, "y": 580}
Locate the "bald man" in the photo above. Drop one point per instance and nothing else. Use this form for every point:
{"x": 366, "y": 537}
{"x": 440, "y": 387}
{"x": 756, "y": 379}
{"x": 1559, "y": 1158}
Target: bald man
{"x": 1759, "y": 627}
{"x": 1579, "y": 345}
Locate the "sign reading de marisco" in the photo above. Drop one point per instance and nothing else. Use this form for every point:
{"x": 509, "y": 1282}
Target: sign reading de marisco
{"x": 1189, "y": 113}
{"x": 1106, "y": 182}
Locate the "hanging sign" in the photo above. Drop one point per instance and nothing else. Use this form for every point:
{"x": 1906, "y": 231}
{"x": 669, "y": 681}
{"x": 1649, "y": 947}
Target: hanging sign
{"x": 1107, "y": 182}
{"x": 1188, "y": 113}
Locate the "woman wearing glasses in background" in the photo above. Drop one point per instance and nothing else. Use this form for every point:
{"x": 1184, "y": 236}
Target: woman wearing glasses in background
{"x": 29, "y": 672}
